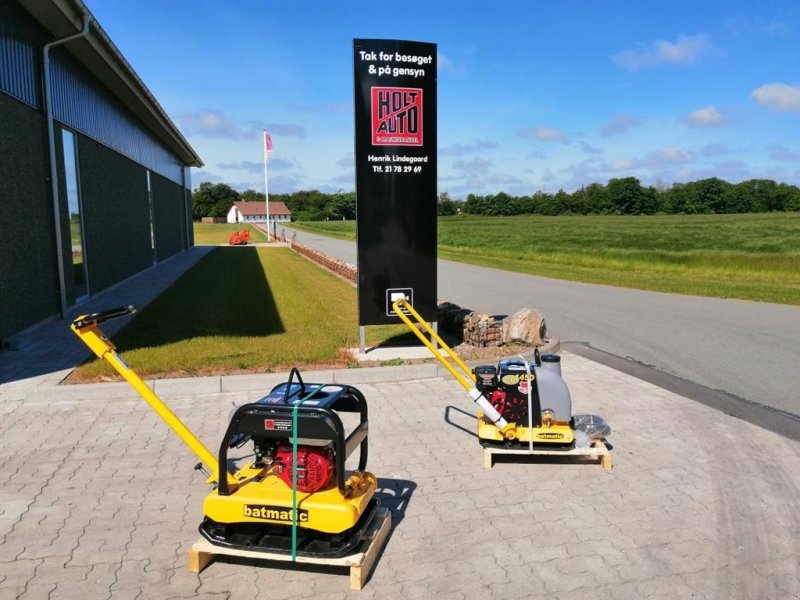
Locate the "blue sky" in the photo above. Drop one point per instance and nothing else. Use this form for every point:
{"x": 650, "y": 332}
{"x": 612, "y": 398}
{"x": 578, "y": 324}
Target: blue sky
{"x": 536, "y": 95}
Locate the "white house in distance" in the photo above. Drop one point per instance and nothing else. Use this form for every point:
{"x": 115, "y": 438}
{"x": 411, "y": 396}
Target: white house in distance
{"x": 255, "y": 211}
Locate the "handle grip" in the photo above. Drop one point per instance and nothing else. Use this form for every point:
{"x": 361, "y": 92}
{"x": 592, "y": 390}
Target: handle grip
{"x": 102, "y": 316}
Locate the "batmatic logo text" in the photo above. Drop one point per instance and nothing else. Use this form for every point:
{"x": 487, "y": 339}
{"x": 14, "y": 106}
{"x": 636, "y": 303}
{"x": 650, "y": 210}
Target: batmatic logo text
{"x": 274, "y": 513}
{"x": 396, "y": 116}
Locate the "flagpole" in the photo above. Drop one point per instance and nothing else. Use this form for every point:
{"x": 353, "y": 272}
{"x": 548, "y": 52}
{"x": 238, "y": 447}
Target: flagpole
{"x": 266, "y": 179}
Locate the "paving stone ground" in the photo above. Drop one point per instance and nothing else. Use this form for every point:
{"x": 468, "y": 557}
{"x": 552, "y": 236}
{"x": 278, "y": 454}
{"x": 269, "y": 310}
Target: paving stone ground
{"x": 100, "y": 500}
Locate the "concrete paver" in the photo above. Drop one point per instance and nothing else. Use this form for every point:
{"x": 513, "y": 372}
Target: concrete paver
{"x": 100, "y": 500}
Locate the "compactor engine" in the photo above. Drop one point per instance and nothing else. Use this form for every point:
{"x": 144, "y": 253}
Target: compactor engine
{"x": 530, "y": 396}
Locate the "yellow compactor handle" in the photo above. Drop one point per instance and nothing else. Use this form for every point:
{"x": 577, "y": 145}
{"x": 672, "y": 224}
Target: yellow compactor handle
{"x": 465, "y": 377}
{"x": 86, "y": 327}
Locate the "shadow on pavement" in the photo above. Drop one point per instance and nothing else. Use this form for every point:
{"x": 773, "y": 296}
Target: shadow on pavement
{"x": 50, "y": 349}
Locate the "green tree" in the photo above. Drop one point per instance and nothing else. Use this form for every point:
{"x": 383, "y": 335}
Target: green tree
{"x": 579, "y": 203}
{"x": 792, "y": 198}
{"x": 712, "y": 194}
{"x": 501, "y": 204}
{"x": 598, "y": 199}
{"x": 252, "y": 196}
{"x": 628, "y": 197}
{"x": 542, "y": 203}
{"x": 342, "y": 205}
{"x": 681, "y": 200}
{"x": 212, "y": 200}
{"x": 445, "y": 206}
{"x": 475, "y": 205}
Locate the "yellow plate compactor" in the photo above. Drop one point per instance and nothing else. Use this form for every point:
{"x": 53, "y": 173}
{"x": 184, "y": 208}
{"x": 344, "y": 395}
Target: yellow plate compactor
{"x": 294, "y": 496}
{"x": 522, "y": 404}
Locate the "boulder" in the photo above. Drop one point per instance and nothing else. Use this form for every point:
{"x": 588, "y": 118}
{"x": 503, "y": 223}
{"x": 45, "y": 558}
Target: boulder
{"x": 526, "y": 326}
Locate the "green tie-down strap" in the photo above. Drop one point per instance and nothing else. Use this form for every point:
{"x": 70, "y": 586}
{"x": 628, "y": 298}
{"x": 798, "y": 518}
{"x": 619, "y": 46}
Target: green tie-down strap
{"x": 294, "y": 470}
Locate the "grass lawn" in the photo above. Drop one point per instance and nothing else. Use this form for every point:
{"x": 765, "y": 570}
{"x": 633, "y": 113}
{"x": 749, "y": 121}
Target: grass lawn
{"x": 754, "y": 257}
{"x": 246, "y": 308}
{"x": 215, "y": 234}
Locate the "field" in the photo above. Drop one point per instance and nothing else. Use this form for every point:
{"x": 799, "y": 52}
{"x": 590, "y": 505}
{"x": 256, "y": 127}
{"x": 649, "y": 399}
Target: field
{"x": 242, "y": 309}
{"x": 754, "y": 257}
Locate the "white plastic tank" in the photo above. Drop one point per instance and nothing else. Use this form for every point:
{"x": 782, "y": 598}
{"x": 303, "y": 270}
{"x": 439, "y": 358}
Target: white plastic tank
{"x": 553, "y": 391}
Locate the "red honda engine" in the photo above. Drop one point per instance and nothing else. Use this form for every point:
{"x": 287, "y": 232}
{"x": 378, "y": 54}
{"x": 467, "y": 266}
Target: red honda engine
{"x": 512, "y": 407}
{"x": 314, "y": 467}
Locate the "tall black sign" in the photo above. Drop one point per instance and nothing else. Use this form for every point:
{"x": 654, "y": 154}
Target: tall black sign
{"x": 395, "y": 119}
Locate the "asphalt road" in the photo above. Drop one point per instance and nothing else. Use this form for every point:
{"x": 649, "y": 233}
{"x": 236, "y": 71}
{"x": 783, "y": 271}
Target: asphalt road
{"x": 747, "y": 350}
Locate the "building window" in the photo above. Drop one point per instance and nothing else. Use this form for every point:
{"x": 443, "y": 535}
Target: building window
{"x": 152, "y": 220}
{"x": 80, "y": 279}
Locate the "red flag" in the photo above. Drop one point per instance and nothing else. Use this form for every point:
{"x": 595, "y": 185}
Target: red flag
{"x": 267, "y": 143}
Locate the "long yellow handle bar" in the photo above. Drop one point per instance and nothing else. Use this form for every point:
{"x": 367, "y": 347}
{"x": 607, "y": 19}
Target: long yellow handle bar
{"x": 90, "y": 334}
{"x": 465, "y": 378}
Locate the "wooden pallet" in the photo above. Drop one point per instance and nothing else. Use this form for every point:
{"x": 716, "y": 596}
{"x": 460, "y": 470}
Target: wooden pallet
{"x": 359, "y": 562}
{"x": 598, "y": 450}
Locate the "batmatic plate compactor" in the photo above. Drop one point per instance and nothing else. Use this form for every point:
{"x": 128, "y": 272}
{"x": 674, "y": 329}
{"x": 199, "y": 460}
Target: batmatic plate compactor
{"x": 522, "y": 403}
{"x": 292, "y": 495}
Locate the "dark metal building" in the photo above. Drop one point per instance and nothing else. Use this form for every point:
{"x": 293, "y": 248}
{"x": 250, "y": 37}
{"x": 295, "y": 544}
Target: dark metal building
{"x": 94, "y": 176}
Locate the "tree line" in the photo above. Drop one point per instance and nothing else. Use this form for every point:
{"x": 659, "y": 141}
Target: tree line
{"x": 216, "y": 199}
{"x": 624, "y": 196}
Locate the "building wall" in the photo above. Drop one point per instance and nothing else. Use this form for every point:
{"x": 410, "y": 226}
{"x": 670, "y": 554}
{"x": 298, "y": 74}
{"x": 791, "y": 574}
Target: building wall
{"x": 116, "y": 215}
{"x": 28, "y": 277}
{"x": 21, "y": 41}
{"x": 169, "y": 212}
{"x": 188, "y": 209}
{"x": 81, "y": 102}
{"x": 115, "y": 152}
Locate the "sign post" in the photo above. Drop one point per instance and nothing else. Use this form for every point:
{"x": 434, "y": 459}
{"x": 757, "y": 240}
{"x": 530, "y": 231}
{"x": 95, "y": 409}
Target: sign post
{"x": 396, "y": 177}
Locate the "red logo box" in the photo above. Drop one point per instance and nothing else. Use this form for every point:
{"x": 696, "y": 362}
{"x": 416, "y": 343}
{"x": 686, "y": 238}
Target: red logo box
{"x": 396, "y": 116}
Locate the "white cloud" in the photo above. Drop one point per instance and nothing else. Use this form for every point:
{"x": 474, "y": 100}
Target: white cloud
{"x": 211, "y": 123}
{"x": 287, "y": 129}
{"x": 330, "y": 107}
{"x": 668, "y": 155}
{"x": 201, "y": 176}
{"x": 730, "y": 171}
{"x": 244, "y": 165}
{"x": 620, "y": 165}
{"x": 778, "y": 96}
{"x": 619, "y": 124}
{"x": 589, "y": 149}
{"x": 714, "y": 150}
{"x": 685, "y": 49}
{"x": 477, "y": 165}
{"x": 257, "y": 167}
{"x": 462, "y": 149}
{"x": 707, "y": 117}
{"x": 503, "y": 179}
{"x": 779, "y": 152}
{"x": 215, "y": 124}
{"x": 657, "y": 159}
{"x": 739, "y": 26}
{"x": 347, "y": 161}
{"x": 443, "y": 62}
{"x": 348, "y": 177}
{"x": 543, "y": 134}
{"x": 284, "y": 184}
